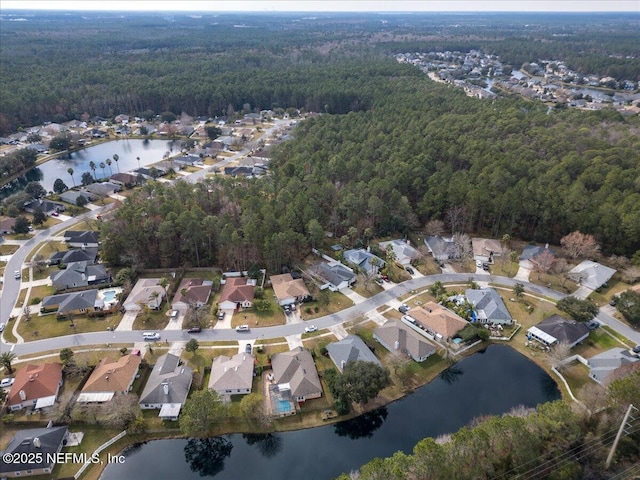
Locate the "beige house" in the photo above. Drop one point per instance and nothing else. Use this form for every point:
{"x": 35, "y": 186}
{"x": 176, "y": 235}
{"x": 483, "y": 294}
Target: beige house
{"x": 397, "y": 336}
{"x": 288, "y": 290}
{"x": 437, "y": 320}
{"x": 295, "y": 371}
{"x": 110, "y": 378}
{"x": 485, "y": 249}
{"x": 146, "y": 292}
{"x": 232, "y": 375}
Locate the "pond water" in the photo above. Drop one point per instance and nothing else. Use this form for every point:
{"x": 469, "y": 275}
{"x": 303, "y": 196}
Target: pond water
{"x": 491, "y": 382}
{"x": 128, "y": 151}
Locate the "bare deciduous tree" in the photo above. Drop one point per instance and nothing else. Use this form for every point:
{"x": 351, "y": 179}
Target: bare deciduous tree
{"x": 543, "y": 262}
{"x": 462, "y": 243}
{"x": 434, "y": 228}
{"x": 558, "y": 353}
{"x": 456, "y": 217}
{"x": 579, "y": 245}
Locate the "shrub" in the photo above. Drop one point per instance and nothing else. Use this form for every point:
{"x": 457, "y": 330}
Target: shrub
{"x": 35, "y": 300}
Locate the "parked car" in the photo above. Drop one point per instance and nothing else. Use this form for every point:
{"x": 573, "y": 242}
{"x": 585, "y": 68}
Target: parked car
{"x": 485, "y": 267}
{"x": 478, "y": 263}
{"x": 593, "y": 324}
{"x": 2, "y": 325}
{"x": 635, "y": 351}
{"x": 409, "y": 318}
{"x": 403, "y": 308}
{"x": 55, "y": 214}
{"x": 242, "y": 328}
{"x": 151, "y": 335}
{"x": 247, "y": 348}
{"x": 194, "y": 330}
{"x": 293, "y": 307}
{"x": 310, "y": 328}
{"x": 221, "y": 316}
{"x": 410, "y": 270}
{"x": 17, "y": 275}
{"x": 6, "y": 382}
{"x": 174, "y": 314}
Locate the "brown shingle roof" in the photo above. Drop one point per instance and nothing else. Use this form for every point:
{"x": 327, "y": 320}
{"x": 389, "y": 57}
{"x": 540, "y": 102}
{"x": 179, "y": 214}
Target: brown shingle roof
{"x": 195, "y": 291}
{"x": 438, "y": 319}
{"x": 113, "y": 376}
{"x": 37, "y": 381}
{"x": 236, "y": 290}
{"x": 285, "y": 286}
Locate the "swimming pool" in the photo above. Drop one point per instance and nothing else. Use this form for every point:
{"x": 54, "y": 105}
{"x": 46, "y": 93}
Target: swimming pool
{"x": 283, "y": 406}
{"x": 109, "y": 295}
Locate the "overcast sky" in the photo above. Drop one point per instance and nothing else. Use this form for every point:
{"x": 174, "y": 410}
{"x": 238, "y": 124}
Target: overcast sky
{"x": 331, "y": 5}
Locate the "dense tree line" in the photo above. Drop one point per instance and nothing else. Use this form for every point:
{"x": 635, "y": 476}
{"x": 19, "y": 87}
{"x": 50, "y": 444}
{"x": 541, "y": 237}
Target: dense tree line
{"x": 18, "y": 161}
{"x": 58, "y": 67}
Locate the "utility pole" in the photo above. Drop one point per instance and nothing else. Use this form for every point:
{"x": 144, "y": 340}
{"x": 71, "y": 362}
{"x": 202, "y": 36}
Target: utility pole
{"x": 625, "y": 423}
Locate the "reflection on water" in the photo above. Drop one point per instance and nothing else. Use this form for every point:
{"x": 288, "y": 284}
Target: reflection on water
{"x": 362, "y": 426}
{"x": 451, "y": 374}
{"x": 206, "y": 456}
{"x": 268, "y": 444}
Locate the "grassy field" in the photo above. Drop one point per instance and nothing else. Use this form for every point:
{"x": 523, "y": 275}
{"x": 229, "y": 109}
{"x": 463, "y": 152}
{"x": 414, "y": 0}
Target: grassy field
{"x": 254, "y": 318}
{"x": 8, "y": 249}
{"x": 336, "y": 303}
{"x": 152, "y": 319}
{"x": 41, "y": 291}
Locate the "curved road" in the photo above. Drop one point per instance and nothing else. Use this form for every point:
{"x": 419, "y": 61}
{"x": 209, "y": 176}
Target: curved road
{"x": 351, "y": 313}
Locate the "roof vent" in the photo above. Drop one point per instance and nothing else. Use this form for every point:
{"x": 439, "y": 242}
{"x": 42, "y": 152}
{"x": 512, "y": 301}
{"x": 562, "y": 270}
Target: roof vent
{"x": 23, "y": 396}
{"x": 36, "y": 442}
{"x": 107, "y": 378}
{"x": 165, "y": 388}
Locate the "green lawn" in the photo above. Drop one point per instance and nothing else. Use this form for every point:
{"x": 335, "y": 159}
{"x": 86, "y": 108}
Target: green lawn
{"x": 8, "y": 249}
{"x": 152, "y": 319}
{"x": 336, "y": 303}
{"x": 48, "y": 326}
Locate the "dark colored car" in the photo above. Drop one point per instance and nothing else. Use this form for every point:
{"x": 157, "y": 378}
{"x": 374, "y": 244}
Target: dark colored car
{"x": 247, "y": 348}
{"x": 194, "y": 330}
{"x": 410, "y": 270}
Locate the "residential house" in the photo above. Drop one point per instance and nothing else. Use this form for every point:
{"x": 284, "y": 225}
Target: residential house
{"x": 603, "y": 365}
{"x": 238, "y": 171}
{"x": 47, "y": 206}
{"x": 335, "y": 275}
{"x": 187, "y": 160}
{"x": 72, "y": 196}
{"x": 237, "y": 292}
{"x": 396, "y": 336}
{"x": 442, "y": 248}
{"x": 74, "y": 303}
{"x": 530, "y": 253}
{"x": 149, "y": 172}
{"x": 232, "y": 375}
{"x": 591, "y": 275}
{"x": 366, "y": 261}
{"x": 110, "y": 378}
{"x": 123, "y": 179}
{"x": 35, "y": 386}
{"x": 82, "y": 238}
{"x": 296, "y": 372}
{"x": 167, "y": 387}
{"x": 486, "y": 249}
{"x": 557, "y": 329}
{"x": 103, "y": 189}
{"x": 488, "y": 306}
{"x": 196, "y": 292}
{"x": 350, "y": 349}
{"x": 402, "y": 250}
{"x": 6, "y": 225}
{"x": 80, "y": 274}
{"x": 34, "y": 450}
{"x": 74, "y": 255}
{"x": 146, "y": 292}
{"x": 437, "y": 320}
{"x": 289, "y": 290}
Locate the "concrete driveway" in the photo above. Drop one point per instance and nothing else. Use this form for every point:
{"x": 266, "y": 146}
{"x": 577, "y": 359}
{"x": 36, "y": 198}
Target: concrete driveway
{"x": 356, "y": 298}
{"x": 126, "y": 324}
{"x": 524, "y": 270}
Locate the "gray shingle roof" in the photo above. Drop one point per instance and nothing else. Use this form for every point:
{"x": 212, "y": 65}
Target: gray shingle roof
{"x": 564, "y": 330}
{"x": 441, "y": 248}
{"x": 23, "y": 442}
{"x": 488, "y": 305}
{"x": 298, "y": 370}
{"x": 350, "y": 349}
{"x": 73, "y": 301}
{"x": 591, "y": 274}
{"x": 407, "y": 339}
{"x": 334, "y": 273}
{"x": 235, "y": 373}
{"x": 79, "y": 274}
{"x": 362, "y": 259}
{"x": 88, "y": 254}
{"x": 605, "y": 363}
{"x": 167, "y": 370}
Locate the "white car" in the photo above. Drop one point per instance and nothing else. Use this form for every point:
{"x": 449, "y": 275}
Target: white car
{"x": 310, "y": 328}
{"x": 242, "y": 328}
{"x": 2, "y": 325}
{"x": 6, "y": 382}
{"x": 17, "y": 275}
{"x": 479, "y": 263}
{"x": 151, "y": 335}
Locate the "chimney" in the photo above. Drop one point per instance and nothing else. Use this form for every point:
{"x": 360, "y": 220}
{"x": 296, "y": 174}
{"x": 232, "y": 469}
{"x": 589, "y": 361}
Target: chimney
{"x": 23, "y": 396}
{"x": 165, "y": 388}
{"x": 36, "y": 442}
{"x": 396, "y": 345}
{"x": 342, "y": 364}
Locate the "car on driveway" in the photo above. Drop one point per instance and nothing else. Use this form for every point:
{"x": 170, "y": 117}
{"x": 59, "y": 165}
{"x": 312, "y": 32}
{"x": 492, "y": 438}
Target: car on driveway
{"x": 404, "y": 308}
{"x": 220, "y": 316}
{"x": 194, "y": 330}
{"x": 242, "y": 328}
{"x": 410, "y": 270}
{"x": 6, "y": 382}
{"x": 479, "y": 263}
{"x": 310, "y": 328}
{"x": 635, "y": 351}
{"x": 247, "y": 348}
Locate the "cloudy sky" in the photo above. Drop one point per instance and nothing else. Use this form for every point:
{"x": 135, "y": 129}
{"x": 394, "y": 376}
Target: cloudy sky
{"x": 331, "y": 5}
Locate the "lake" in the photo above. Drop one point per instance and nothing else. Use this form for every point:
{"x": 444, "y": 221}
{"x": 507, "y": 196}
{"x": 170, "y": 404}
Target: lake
{"x": 149, "y": 151}
{"x": 491, "y": 382}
